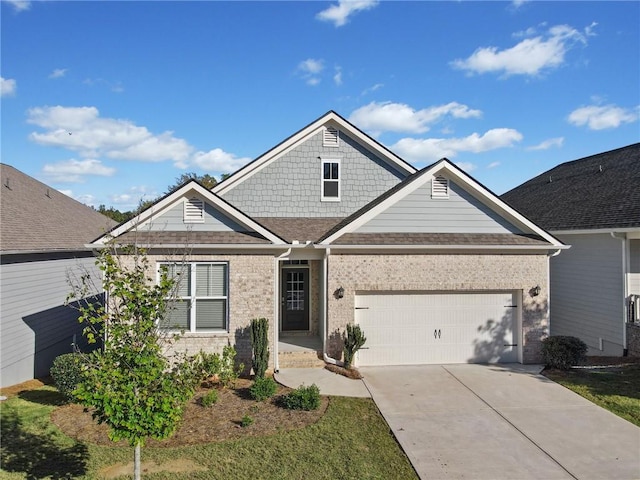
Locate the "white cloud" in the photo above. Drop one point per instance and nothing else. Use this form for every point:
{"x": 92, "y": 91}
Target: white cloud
{"x": 82, "y": 130}
{"x": 531, "y": 56}
{"x": 339, "y": 14}
{"x": 58, "y": 73}
{"x": 547, "y": 144}
{"x": 73, "y": 171}
{"x": 337, "y": 77}
{"x": 87, "y": 199}
{"x": 20, "y": 5}
{"x": 398, "y": 117}
{"x": 466, "y": 166}
{"x": 132, "y": 198}
{"x": 7, "y": 87}
{"x": 372, "y": 89}
{"x": 310, "y": 70}
{"x": 432, "y": 149}
{"x": 493, "y": 165}
{"x": 598, "y": 117}
{"x": 218, "y": 161}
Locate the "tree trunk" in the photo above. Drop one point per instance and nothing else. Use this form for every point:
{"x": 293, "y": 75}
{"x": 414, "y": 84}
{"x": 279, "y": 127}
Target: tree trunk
{"x": 136, "y": 462}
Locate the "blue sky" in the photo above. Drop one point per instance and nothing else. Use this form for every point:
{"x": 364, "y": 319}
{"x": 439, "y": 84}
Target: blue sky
{"x": 110, "y": 102}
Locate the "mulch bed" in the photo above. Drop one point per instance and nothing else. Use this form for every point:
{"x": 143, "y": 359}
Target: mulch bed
{"x": 200, "y": 424}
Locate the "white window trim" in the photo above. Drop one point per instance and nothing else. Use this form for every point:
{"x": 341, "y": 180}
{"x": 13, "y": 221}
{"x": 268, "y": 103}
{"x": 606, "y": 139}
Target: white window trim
{"x": 188, "y": 215}
{"x": 437, "y": 193}
{"x": 322, "y": 180}
{"x": 193, "y": 297}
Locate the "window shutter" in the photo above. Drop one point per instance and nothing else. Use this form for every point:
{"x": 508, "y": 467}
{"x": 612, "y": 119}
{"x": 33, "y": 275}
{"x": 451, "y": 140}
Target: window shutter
{"x": 194, "y": 210}
{"x": 440, "y": 187}
{"x": 330, "y": 137}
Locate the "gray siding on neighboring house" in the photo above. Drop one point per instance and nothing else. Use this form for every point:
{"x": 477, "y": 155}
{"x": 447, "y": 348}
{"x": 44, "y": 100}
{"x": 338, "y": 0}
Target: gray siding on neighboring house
{"x": 587, "y": 292}
{"x": 36, "y": 326}
{"x": 291, "y": 185}
{"x": 634, "y": 267}
{"x": 173, "y": 221}
{"x": 418, "y": 212}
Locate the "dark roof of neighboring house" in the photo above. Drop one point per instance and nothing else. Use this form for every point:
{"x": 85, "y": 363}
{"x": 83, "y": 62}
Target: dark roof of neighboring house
{"x": 597, "y": 192}
{"x": 35, "y": 217}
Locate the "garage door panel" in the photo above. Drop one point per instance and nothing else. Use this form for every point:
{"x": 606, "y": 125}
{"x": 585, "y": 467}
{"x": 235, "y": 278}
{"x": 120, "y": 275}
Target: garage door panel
{"x": 404, "y": 329}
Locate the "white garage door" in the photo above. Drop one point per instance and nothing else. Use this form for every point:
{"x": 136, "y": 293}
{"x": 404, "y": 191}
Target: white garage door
{"x": 420, "y": 328}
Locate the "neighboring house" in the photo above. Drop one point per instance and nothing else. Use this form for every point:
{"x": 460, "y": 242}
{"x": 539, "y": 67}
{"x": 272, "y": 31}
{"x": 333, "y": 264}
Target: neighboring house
{"x": 330, "y": 228}
{"x": 592, "y": 204}
{"x": 43, "y": 237}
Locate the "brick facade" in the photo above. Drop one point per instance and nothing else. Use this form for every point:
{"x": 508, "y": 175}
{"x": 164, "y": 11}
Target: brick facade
{"x": 633, "y": 339}
{"x": 251, "y": 294}
{"x": 422, "y": 272}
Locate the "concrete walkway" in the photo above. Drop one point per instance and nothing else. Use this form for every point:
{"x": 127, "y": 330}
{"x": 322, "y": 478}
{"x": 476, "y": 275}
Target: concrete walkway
{"x": 500, "y": 422}
{"x": 328, "y": 382}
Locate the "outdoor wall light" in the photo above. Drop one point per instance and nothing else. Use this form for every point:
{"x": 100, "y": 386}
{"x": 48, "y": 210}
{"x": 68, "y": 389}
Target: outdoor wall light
{"x": 535, "y": 291}
{"x": 339, "y": 293}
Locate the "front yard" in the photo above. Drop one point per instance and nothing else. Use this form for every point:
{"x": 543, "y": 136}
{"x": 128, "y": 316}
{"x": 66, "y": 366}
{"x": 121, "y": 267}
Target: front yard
{"x": 612, "y": 383}
{"x": 346, "y": 439}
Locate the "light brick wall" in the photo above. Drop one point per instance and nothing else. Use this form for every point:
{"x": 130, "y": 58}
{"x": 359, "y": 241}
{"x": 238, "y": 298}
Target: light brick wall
{"x": 251, "y": 292}
{"x": 633, "y": 339}
{"x": 441, "y": 273}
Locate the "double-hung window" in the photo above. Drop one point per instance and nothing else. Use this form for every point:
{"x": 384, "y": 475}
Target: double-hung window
{"x": 201, "y": 297}
{"x": 331, "y": 180}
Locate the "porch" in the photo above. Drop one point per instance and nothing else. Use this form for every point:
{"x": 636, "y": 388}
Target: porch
{"x": 299, "y": 351}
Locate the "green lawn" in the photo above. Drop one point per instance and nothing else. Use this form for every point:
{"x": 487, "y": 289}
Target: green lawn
{"x": 350, "y": 441}
{"x": 616, "y": 388}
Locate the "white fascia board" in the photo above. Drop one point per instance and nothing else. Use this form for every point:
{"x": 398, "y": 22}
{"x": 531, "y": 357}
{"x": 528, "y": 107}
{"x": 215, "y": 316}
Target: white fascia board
{"x": 332, "y": 119}
{"x": 593, "y": 231}
{"x": 170, "y": 200}
{"x": 457, "y": 248}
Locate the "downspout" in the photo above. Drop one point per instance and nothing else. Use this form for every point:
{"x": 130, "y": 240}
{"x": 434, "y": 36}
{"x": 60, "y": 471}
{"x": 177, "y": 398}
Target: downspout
{"x": 276, "y": 305}
{"x": 550, "y": 255}
{"x": 325, "y": 297}
{"x": 625, "y": 290}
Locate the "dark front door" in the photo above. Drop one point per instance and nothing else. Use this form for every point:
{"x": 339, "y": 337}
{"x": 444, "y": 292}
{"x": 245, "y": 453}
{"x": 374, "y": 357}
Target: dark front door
{"x": 295, "y": 299}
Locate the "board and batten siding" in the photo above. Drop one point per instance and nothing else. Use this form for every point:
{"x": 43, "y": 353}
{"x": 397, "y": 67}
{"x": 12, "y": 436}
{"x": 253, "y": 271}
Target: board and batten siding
{"x": 418, "y": 212}
{"x": 290, "y": 186}
{"x": 587, "y": 292}
{"x": 173, "y": 221}
{"x": 36, "y": 326}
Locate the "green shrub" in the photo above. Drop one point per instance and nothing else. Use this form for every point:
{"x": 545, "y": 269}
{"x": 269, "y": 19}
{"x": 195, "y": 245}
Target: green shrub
{"x": 221, "y": 366}
{"x": 66, "y": 372}
{"x": 263, "y": 388}
{"x": 260, "y": 345}
{"x": 302, "y": 398}
{"x": 209, "y": 399}
{"x": 246, "y": 421}
{"x": 563, "y": 351}
{"x": 353, "y": 340}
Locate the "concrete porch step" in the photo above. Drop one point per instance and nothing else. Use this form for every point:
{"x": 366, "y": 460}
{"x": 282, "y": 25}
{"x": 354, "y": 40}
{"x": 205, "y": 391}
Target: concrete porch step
{"x": 300, "y": 359}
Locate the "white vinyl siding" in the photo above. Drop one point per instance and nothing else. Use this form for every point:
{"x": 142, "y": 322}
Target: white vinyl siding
{"x": 587, "y": 291}
{"x": 427, "y": 328}
{"x": 201, "y": 298}
{"x": 634, "y": 267}
{"x": 331, "y": 174}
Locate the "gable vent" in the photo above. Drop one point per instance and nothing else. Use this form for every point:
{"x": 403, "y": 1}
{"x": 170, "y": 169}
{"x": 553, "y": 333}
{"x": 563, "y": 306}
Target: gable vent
{"x": 439, "y": 187}
{"x": 194, "y": 211}
{"x": 330, "y": 137}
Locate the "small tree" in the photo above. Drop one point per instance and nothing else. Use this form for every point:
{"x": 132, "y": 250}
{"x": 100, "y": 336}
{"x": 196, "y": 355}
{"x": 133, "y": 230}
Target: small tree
{"x": 353, "y": 341}
{"x": 130, "y": 384}
{"x": 260, "y": 345}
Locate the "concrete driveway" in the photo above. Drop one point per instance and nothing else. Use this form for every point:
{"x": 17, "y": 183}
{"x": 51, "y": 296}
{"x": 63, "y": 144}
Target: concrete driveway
{"x": 500, "y": 422}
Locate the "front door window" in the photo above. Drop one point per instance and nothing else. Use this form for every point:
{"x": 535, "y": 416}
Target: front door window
{"x": 295, "y": 299}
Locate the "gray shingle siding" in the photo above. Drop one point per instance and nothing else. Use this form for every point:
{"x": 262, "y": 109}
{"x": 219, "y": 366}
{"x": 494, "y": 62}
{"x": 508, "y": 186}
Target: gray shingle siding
{"x": 290, "y": 185}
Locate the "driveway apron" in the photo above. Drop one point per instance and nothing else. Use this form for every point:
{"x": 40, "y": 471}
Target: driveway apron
{"x": 500, "y": 422}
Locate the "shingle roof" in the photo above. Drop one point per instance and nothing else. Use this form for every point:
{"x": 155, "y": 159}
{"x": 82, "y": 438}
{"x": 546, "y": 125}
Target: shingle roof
{"x": 597, "y": 192}
{"x": 190, "y": 238}
{"x": 427, "y": 239}
{"x": 35, "y": 217}
{"x": 301, "y": 229}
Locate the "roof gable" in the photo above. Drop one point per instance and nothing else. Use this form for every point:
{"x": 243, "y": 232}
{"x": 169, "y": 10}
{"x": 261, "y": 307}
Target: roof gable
{"x": 492, "y": 215}
{"x": 36, "y": 217}
{"x": 597, "y": 192}
{"x": 331, "y": 120}
{"x": 163, "y": 222}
